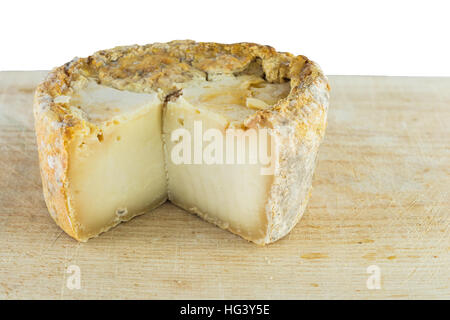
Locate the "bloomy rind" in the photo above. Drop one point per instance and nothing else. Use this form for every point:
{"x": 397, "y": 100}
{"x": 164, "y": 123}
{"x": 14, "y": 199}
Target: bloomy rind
{"x": 53, "y": 158}
{"x": 297, "y": 122}
{"x": 297, "y": 156}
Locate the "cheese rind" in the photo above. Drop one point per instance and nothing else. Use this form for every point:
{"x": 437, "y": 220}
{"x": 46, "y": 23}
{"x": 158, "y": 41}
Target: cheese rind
{"x": 82, "y": 102}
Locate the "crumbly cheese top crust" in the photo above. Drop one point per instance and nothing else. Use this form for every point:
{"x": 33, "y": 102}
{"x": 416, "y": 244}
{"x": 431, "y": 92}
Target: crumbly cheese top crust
{"x": 167, "y": 67}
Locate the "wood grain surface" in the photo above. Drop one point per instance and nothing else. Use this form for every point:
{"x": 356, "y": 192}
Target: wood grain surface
{"x": 381, "y": 197}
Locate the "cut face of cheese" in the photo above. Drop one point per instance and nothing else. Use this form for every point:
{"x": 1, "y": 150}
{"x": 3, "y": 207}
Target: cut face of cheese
{"x": 116, "y": 168}
{"x": 233, "y": 196}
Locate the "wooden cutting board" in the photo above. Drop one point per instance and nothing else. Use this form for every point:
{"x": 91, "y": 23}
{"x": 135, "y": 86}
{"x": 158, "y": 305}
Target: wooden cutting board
{"x": 380, "y": 201}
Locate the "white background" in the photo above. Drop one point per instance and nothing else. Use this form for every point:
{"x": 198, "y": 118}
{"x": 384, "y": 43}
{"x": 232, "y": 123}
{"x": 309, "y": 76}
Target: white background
{"x": 408, "y": 38}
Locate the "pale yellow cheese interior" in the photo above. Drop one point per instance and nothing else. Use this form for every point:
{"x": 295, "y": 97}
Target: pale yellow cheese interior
{"x": 117, "y": 169}
{"x": 230, "y": 195}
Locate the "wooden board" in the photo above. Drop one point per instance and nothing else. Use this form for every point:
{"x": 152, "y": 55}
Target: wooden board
{"x": 380, "y": 198}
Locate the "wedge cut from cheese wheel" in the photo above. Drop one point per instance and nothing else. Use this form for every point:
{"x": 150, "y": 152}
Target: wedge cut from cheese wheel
{"x": 106, "y": 129}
